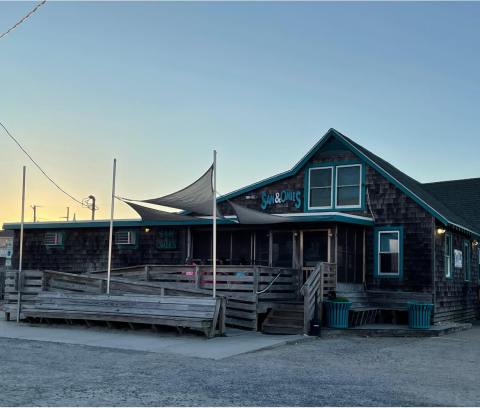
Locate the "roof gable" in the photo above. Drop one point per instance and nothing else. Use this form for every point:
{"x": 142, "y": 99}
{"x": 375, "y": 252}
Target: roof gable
{"x": 409, "y": 186}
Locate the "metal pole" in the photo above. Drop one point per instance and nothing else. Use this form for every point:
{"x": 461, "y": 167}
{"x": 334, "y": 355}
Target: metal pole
{"x": 68, "y": 214}
{"x": 214, "y": 222}
{"x": 20, "y": 260}
{"x": 111, "y": 227}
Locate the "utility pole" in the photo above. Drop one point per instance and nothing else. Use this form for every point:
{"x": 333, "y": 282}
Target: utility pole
{"x": 34, "y": 208}
{"x": 93, "y": 207}
{"x": 68, "y": 214}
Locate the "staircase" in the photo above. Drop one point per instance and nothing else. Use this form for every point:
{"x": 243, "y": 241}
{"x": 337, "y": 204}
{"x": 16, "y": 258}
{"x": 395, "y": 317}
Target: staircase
{"x": 284, "y": 318}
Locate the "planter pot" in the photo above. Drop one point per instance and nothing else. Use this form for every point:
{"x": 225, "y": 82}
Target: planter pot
{"x": 337, "y": 314}
{"x": 419, "y": 315}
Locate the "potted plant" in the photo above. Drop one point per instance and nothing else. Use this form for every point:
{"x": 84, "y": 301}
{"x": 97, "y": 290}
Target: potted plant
{"x": 337, "y": 308}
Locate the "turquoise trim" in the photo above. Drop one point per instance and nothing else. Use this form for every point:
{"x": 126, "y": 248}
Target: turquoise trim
{"x": 334, "y": 165}
{"x": 347, "y": 218}
{"x": 376, "y": 272}
{"x": 105, "y": 223}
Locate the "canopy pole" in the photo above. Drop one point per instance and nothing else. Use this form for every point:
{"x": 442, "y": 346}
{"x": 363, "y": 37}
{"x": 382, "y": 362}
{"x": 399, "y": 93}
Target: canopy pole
{"x": 110, "y": 238}
{"x": 214, "y": 222}
{"x": 20, "y": 260}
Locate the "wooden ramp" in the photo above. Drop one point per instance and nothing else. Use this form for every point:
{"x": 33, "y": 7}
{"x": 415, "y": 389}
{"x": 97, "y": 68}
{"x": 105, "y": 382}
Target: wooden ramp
{"x": 200, "y": 313}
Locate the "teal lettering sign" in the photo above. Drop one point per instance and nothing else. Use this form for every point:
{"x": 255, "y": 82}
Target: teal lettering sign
{"x": 167, "y": 239}
{"x": 282, "y": 197}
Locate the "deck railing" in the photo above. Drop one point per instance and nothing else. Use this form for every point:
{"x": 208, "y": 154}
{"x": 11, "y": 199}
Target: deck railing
{"x": 319, "y": 283}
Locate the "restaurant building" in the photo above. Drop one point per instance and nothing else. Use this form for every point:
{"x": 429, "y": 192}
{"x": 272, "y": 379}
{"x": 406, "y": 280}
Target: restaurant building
{"x": 340, "y": 204}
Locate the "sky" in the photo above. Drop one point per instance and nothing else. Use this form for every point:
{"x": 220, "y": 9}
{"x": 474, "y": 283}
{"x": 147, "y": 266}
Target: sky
{"x": 160, "y": 85}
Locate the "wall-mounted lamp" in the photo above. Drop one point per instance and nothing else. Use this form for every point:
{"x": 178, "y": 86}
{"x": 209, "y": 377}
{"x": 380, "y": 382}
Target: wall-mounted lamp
{"x": 441, "y": 231}
{"x": 475, "y": 243}
{"x": 147, "y": 229}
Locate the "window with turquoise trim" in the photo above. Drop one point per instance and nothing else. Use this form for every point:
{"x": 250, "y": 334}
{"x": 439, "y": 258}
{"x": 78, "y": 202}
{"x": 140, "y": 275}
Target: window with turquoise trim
{"x": 389, "y": 252}
{"x": 321, "y": 188}
{"x": 467, "y": 266}
{"x": 53, "y": 239}
{"x": 448, "y": 255}
{"x": 125, "y": 238}
{"x": 348, "y": 183}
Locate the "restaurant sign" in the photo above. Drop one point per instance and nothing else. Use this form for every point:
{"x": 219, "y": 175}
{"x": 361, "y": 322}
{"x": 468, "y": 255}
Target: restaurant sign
{"x": 284, "y": 197}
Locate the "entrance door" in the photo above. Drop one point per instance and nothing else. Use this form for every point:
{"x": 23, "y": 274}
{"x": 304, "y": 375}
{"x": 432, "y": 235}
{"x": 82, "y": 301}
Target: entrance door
{"x": 315, "y": 248}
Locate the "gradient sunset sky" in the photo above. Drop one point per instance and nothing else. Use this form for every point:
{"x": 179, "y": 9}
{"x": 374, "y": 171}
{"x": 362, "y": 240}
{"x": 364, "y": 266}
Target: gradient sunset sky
{"x": 160, "y": 85}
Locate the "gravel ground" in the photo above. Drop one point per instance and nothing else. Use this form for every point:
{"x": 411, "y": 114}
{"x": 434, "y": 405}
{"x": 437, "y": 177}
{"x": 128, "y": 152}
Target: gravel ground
{"x": 338, "y": 371}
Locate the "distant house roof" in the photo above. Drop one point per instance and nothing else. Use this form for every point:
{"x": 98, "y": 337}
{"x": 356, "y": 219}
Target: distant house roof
{"x": 462, "y": 197}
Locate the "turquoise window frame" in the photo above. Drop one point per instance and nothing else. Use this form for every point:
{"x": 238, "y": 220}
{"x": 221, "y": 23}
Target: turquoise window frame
{"x": 376, "y": 254}
{"x": 452, "y": 263}
{"x": 334, "y": 207}
{"x": 467, "y": 266}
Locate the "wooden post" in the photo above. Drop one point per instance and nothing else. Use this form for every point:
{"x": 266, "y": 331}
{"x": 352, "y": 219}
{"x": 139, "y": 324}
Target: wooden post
{"x": 306, "y": 308}
{"x": 197, "y": 276}
{"x": 147, "y": 274}
{"x": 256, "y": 277}
{"x": 20, "y": 261}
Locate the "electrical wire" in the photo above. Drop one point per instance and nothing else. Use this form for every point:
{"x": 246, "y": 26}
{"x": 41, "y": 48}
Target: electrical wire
{"x": 23, "y": 18}
{"x": 38, "y": 166}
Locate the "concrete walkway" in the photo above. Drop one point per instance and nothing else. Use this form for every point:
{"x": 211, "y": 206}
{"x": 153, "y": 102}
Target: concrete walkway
{"x": 236, "y": 342}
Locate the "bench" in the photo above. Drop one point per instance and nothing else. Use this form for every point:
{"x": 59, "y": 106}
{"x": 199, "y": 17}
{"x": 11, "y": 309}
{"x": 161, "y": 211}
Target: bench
{"x": 199, "y": 313}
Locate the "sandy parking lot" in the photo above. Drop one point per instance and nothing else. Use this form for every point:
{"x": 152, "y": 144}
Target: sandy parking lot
{"x": 337, "y": 371}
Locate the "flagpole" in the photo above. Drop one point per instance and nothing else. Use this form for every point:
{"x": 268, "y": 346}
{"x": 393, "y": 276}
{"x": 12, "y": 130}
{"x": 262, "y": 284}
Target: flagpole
{"x": 110, "y": 238}
{"x": 20, "y": 260}
{"x": 214, "y": 219}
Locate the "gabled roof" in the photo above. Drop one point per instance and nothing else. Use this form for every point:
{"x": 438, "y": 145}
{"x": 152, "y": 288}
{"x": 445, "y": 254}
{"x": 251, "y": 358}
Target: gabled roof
{"x": 411, "y": 187}
{"x": 461, "y": 196}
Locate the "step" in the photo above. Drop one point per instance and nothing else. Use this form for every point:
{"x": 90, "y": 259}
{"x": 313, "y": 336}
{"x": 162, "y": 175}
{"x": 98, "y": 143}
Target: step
{"x": 293, "y": 307}
{"x": 283, "y": 321}
{"x": 278, "y": 329}
{"x": 287, "y": 313}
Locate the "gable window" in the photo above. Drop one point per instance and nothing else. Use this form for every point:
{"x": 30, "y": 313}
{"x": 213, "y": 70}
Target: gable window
{"x": 448, "y": 255}
{"x": 53, "y": 239}
{"x": 388, "y": 252}
{"x": 348, "y": 182}
{"x": 468, "y": 260}
{"x": 321, "y": 188}
{"x": 125, "y": 238}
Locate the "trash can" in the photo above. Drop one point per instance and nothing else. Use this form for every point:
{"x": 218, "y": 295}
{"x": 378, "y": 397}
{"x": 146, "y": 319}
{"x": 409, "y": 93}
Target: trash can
{"x": 337, "y": 313}
{"x": 419, "y": 315}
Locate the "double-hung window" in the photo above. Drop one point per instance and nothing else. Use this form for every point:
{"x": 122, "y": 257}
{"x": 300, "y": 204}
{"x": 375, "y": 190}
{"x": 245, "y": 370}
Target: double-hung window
{"x": 348, "y": 184}
{"x": 467, "y": 265}
{"x": 448, "y": 255}
{"x": 389, "y": 248}
{"x": 321, "y": 188}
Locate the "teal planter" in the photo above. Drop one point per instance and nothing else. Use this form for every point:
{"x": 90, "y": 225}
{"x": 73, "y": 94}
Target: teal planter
{"x": 419, "y": 315}
{"x": 337, "y": 314}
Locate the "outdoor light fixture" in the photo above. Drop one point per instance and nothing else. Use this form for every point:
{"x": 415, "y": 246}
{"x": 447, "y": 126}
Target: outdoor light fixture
{"x": 440, "y": 231}
{"x": 475, "y": 243}
{"x": 147, "y": 229}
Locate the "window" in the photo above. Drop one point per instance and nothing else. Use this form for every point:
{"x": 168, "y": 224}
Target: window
{"x": 448, "y": 255}
{"x": 125, "y": 238}
{"x": 321, "y": 188}
{"x": 388, "y": 250}
{"x": 468, "y": 260}
{"x": 348, "y": 186}
{"x": 53, "y": 239}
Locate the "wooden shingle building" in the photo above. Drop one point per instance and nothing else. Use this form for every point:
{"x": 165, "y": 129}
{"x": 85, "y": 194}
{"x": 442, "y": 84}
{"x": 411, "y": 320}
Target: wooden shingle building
{"x": 391, "y": 238}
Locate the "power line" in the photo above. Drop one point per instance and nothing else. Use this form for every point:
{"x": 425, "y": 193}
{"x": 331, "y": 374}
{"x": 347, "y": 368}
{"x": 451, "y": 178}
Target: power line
{"x": 38, "y": 166}
{"x": 23, "y": 18}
